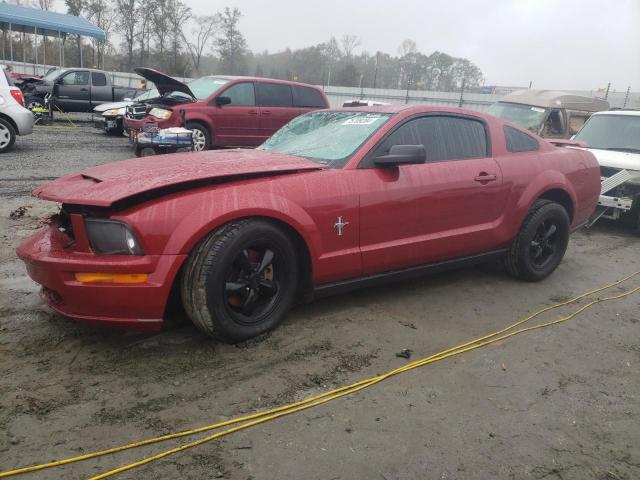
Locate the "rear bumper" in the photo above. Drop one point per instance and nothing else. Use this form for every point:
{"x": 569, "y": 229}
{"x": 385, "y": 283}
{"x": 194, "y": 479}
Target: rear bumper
{"x": 22, "y": 117}
{"x": 52, "y": 262}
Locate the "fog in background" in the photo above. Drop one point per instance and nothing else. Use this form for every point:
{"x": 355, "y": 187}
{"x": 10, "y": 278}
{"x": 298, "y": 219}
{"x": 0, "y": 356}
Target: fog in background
{"x": 566, "y": 44}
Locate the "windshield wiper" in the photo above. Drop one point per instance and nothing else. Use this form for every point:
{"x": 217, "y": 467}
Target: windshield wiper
{"x": 623, "y": 149}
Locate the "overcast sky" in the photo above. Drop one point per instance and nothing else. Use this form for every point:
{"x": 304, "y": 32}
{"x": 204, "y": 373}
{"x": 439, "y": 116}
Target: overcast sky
{"x": 565, "y": 44}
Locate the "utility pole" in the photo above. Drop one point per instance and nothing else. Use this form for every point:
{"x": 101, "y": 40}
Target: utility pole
{"x": 461, "y": 101}
{"x": 375, "y": 71}
{"x": 626, "y": 97}
{"x": 606, "y": 94}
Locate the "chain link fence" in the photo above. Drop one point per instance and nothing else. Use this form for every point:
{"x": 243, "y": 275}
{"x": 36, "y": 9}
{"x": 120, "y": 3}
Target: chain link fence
{"x": 338, "y": 95}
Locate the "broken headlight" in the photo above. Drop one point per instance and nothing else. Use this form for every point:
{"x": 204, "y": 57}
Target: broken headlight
{"x": 110, "y": 237}
{"x": 160, "y": 113}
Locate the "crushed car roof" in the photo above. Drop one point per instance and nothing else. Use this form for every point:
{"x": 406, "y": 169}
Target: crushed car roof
{"x": 556, "y": 99}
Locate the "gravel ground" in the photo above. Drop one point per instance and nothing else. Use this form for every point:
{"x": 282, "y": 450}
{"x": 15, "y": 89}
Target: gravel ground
{"x": 560, "y": 403}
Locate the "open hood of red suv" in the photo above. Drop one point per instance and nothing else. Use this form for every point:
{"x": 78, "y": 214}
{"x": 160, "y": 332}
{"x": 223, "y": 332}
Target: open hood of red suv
{"x": 104, "y": 185}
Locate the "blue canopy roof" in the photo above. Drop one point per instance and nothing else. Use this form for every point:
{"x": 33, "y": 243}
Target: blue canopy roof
{"x": 23, "y": 19}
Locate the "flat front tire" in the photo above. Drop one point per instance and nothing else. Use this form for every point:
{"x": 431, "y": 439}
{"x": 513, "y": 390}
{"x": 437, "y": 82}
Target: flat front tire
{"x": 541, "y": 243}
{"x": 241, "y": 280}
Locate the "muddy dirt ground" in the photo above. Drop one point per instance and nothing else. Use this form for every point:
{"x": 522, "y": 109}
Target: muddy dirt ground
{"x": 561, "y": 403}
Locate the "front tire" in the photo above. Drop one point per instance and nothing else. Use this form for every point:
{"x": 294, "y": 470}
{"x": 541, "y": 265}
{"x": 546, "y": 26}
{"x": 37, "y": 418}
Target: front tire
{"x": 541, "y": 243}
{"x": 201, "y": 136}
{"x": 7, "y": 136}
{"x": 241, "y": 280}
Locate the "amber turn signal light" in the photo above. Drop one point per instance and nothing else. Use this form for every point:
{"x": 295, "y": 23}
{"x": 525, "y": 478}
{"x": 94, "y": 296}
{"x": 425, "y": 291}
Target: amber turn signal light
{"x": 112, "y": 277}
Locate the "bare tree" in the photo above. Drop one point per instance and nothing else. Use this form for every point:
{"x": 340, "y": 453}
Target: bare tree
{"x": 101, "y": 14}
{"x": 160, "y": 19}
{"x": 407, "y": 47}
{"x": 180, "y": 14}
{"x": 203, "y": 33}
{"x": 349, "y": 44}
{"x": 45, "y": 4}
{"x": 230, "y": 44}
{"x": 127, "y": 24}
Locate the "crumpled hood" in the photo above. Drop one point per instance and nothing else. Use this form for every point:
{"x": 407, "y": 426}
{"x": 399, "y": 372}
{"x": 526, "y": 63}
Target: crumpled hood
{"x": 103, "y": 107}
{"x": 614, "y": 159}
{"x": 104, "y": 185}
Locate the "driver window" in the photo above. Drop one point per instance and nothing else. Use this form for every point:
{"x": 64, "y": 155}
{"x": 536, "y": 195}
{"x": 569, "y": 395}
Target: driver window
{"x": 75, "y": 78}
{"x": 554, "y": 126}
{"x": 443, "y": 137}
{"x": 241, "y": 94}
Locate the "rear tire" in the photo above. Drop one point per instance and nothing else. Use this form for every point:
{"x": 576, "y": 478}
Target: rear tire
{"x": 541, "y": 243}
{"x": 7, "y": 136}
{"x": 240, "y": 281}
{"x": 201, "y": 136}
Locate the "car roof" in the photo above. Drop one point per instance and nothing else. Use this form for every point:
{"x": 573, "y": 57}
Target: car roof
{"x": 556, "y": 99}
{"x": 262, "y": 79}
{"x": 409, "y": 109}
{"x": 630, "y": 113}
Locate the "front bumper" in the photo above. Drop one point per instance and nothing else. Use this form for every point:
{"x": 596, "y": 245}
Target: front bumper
{"x": 52, "y": 261}
{"x": 22, "y": 117}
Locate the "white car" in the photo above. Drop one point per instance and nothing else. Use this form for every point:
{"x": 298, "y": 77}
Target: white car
{"x": 112, "y": 114}
{"x": 14, "y": 118}
{"x": 614, "y": 138}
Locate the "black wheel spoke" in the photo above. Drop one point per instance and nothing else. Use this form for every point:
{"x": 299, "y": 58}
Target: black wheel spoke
{"x": 235, "y": 287}
{"x": 267, "y": 259}
{"x": 249, "y": 302}
{"x": 268, "y": 288}
{"x": 244, "y": 263}
{"x": 550, "y": 231}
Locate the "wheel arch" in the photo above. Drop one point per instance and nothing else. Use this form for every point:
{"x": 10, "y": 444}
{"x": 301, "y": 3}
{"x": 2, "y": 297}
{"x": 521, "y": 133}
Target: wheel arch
{"x": 9, "y": 120}
{"x": 561, "y": 197}
{"x": 302, "y": 239}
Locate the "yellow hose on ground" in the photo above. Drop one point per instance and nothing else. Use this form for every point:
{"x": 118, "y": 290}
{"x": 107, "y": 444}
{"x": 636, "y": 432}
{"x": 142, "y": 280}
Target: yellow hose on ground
{"x": 262, "y": 417}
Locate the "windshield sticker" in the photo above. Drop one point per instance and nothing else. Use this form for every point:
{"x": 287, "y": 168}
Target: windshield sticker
{"x": 368, "y": 120}
{"x": 537, "y": 109}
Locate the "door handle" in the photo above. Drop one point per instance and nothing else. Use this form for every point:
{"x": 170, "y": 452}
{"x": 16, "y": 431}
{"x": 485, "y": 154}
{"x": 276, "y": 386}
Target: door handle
{"x": 484, "y": 177}
{"x": 266, "y": 112}
{"x": 84, "y": 89}
{"x": 252, "y": 112}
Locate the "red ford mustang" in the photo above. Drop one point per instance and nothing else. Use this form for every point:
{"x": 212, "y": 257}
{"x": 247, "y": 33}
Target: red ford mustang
{"x": 334, "y": 200}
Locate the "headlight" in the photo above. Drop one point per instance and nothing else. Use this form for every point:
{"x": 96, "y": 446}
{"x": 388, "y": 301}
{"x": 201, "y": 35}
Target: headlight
{"x": 114, "y": 112}
{"x": 160, "y": 113}
{"x": 110, "y": 237}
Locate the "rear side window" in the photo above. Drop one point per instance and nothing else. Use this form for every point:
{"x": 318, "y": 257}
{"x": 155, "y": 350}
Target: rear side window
{"x": 98, "y": 79}
{"x": 307, "y": 97}
{"x": 444, "y": 138}
{"x": 518, "y": 141}
{"x": 241, "y": 94}
{"x": 273, "y": 95}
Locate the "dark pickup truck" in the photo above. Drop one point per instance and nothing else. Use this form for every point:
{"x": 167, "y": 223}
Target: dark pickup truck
{"x": 75, "y": 90}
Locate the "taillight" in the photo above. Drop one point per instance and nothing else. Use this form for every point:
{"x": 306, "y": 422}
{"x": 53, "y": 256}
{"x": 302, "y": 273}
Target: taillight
{"x": 17, "y": 94}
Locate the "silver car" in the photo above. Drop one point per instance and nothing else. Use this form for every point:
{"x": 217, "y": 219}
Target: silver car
{"x": 14, "y": 118}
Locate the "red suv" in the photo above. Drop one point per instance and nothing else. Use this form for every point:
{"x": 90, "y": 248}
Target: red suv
{"x": 223, "y": 111}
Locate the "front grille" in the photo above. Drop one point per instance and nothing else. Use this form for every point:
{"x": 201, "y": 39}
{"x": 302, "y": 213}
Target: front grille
{"x": 136, "y": 111}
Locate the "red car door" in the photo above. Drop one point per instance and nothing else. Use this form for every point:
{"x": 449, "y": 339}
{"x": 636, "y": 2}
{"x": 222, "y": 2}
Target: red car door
{"x": 448, "y": 207}
{"x": 276, "y": 107}
{"x": 236, "y": 123}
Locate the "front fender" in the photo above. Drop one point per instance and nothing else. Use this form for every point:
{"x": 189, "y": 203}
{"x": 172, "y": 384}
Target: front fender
{"x": 216, "y": 209}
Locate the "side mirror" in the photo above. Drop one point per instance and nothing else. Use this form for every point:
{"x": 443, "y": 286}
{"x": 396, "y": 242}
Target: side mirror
{"x": 401, "y": 155}
{"x": 222, "y": 101}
